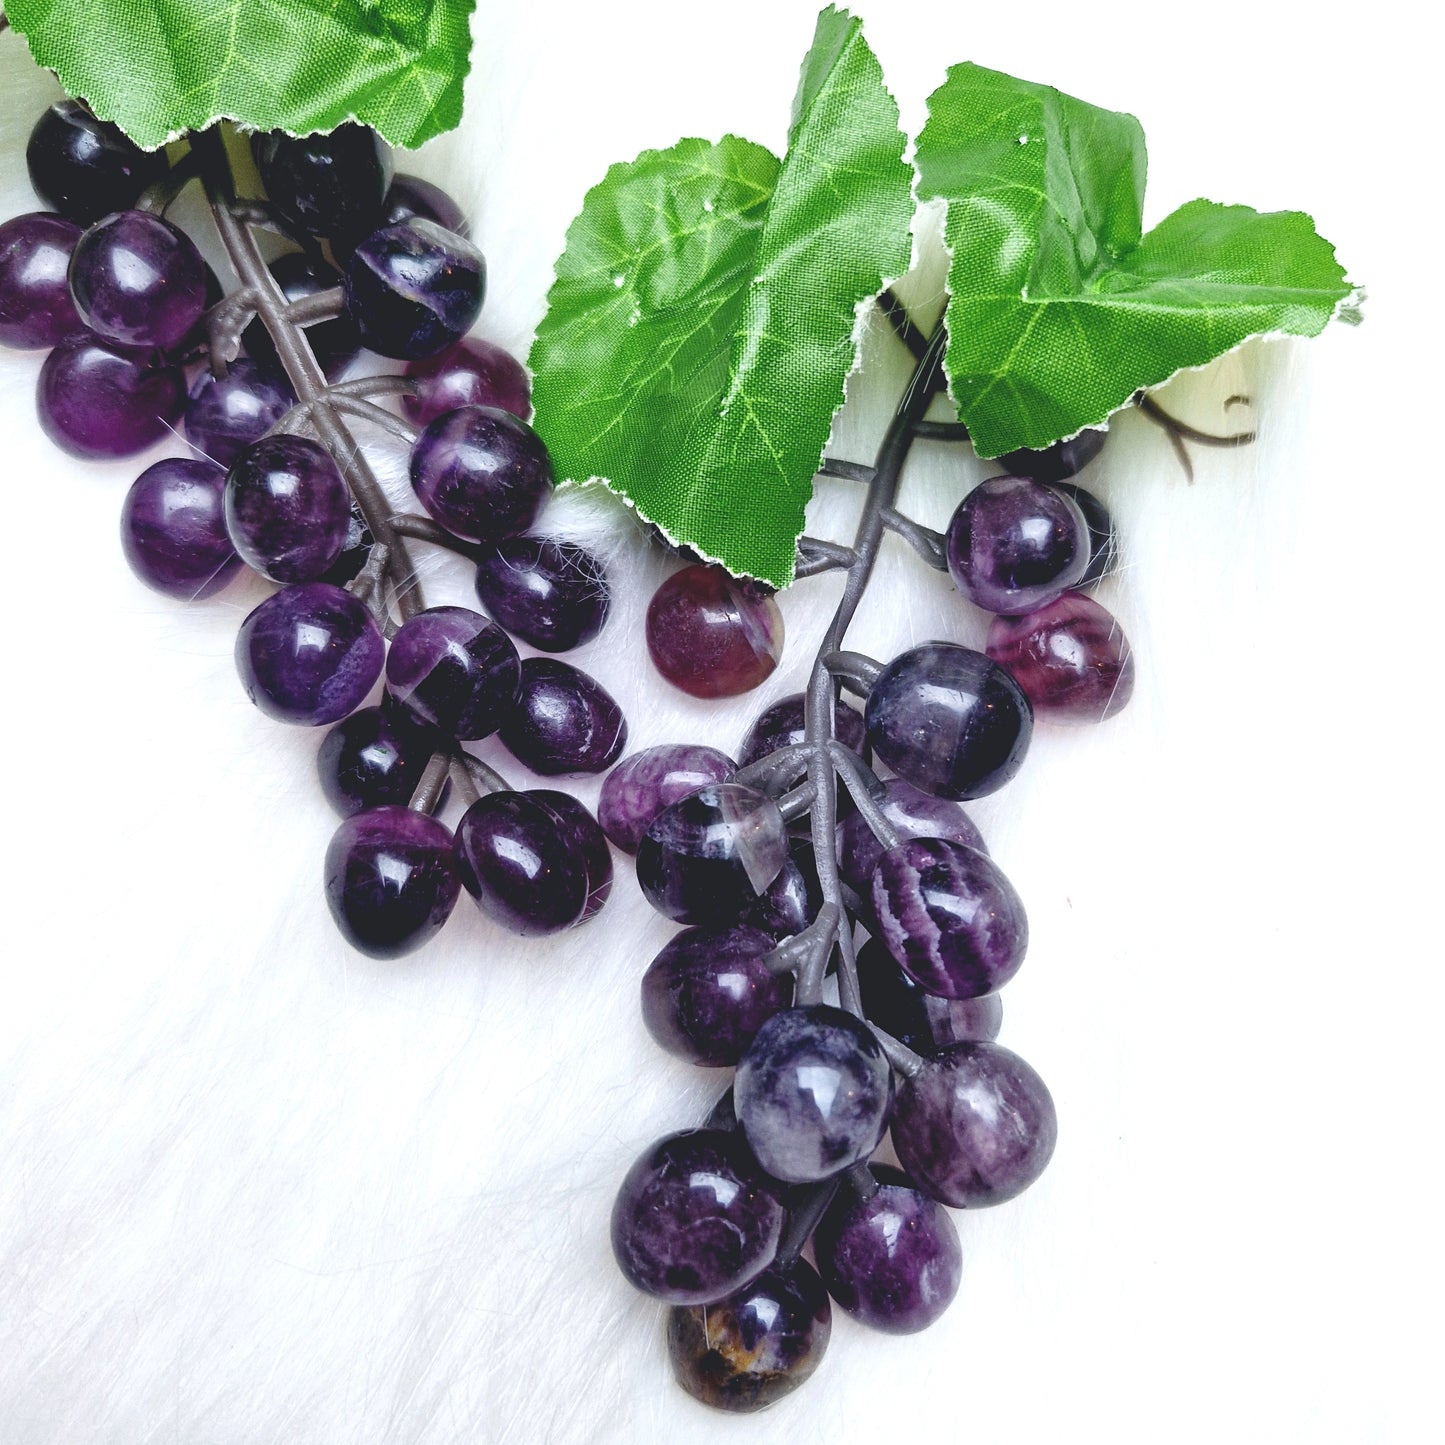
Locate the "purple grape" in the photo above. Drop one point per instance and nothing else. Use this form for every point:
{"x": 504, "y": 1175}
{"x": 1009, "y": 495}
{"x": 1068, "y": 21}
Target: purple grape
{"x": 327, "y": 185}
{"x": 335, "y": 343}
{"x": 35, "y": 306}
{"x": 471, "y": 373}
{"x": 949, "y": 721}
{"x": 781, "y": 726}
{"x": 373, "y": 758}
{"x": 455, "y": 670}
{"x": 225, "y": 415}
{"x": 695, "y": 1220}
{"x": 891, "y": 1260}
{"x": 1103, "y": 534}
{"x": 793, "y": 898}
{"x": 709, "y": 991}
{"x": 414, "y": 289}
{"x": 711, "y": 634}
{"x": 925, "y": 1023}
{"x": 309, "y": 654}
{"x": 391, "y": 880}
{"x": 914, "y": 814}
{"x": 173, "y": 529}
{"x": 812, "y": 1093}
{"x": 748, "y": 1351}
{"x": 410, "y": 196}
{"x": 564, "y": 722}
{"x": 86, "y": 168}
{"x": 1062, "y": 459}
{"x": 482, "y": 473}
{"x": 642, "y": 785}
{"x": 587, "y": 837}
{"x": 287, "y": 508}
{"x": 975, "y": 1126}
{"x": 103, "y": 401}
{"x": 552, "y": 594}
{"x": 137, "y": 280}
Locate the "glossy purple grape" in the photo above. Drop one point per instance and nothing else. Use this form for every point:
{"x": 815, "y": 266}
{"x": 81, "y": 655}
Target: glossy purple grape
{"x": 712, "y": 634}
{"x": 949, "y": 720}
{"x": 812, "y": 1093}
{"x": 103, "y": 401}
{"x": 1055, "y": 463}
{"x": 482, "y": 473}
{"x": 309, "y": 654}
{"x": 35, "y": 306}
{"x": 645, "y": 783}
{"x": 391, "y": 880}
{"x": 891, "y": 1260}
{"x": 975, "y": 1126}
{"x": 748, "y": 1351}
{"x": 914, "y": 814}
{"x": 335, "y": 343}
{"x": 454, "y": 669}
{"x": 695, "y": 1220}
{"x": 1103, "y": 534}
{"x": 373, "y": 758}
{"x": 587, "y": 838}
{"x": 173, "y": 529}
{"x": 793, "y": 898}
{"x": 414, "y": 289}
{"x": 328, "y": 185}
{"x": 410, "y": 196}
{"x": 86, "y": 168}
{"x": 471, "y": 373}
{"x": 287, "y": 508}
{"x": 1015, "y": 544}
{"x": 1071, "y": 657}
{"x": 225, "y": 415}
{"x": 550, "y": 593}
{"x": 781, "y": 726}
{"x": 709, "y": 991}
{"x": 708, "y": 857}
{"x": 564, "y": 722}
{"x": 924, "y": 1022}
{"x": 950, "y": 918}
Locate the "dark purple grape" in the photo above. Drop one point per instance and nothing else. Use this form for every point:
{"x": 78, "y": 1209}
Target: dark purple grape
{"x": 812, "y": 1093}
{"x": 914, "y": 814}
{"x": 708, "y": 857}
{"x": 891, "y": 1260}
{"x": 328, "y": 185}
{"x": 287, "y": 508}
{"x": 1103, "y": 534}
{"x": 335, "y": 343}
{"x": 103, "y": 401}
{"x": 550, "y": 593}
{"x": 949, "y": 721}
{"x": 713, "y": 635}
{"x": 36, "y": 310}
{"x": 414, "y": 289}
{"x": 564, "y": 722}
{"x": 781, "y": 726}
{"x": 86, "y": 168}
{"x": 709, "y": 991}
{"x": 925, "y": 1023}
{"x": 586, "y": 837}
{"x": 1071, "y": 657}
{"x": 391, "y": 880}
{"x": 793, "y": 898}
{"x": 949, "y": 917}
{"x": 455, "y": 670}
{"x": 975, "y": 1126}
{"x": 482, "y": 473}
{"x": 746, "y": 1352}
{"x": 355, "y": 551}
{"x": 225, "y": 415}
{"x": 642, "y": 785}
{"x": 410, "y": 196}
{"x": 173, "y": 529}
{"x": 1015, "y": 544}
{"x": 471, "y": 373}
{"x": 373, "y": 758}
{"x": 309, "y": 654}
{"x": 695, "y": 1219}
{"x": 1054, "y": 463}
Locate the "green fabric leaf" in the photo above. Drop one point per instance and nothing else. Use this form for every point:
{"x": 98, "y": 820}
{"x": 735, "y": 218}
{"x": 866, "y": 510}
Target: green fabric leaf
{"x": 161, "y": 67}
{"x": 1058, "y": 309}
{"x": 701, "y": 326}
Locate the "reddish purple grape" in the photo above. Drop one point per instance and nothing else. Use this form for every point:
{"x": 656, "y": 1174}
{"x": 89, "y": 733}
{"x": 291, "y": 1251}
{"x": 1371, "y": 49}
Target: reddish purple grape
{"x": 914, "y": 814}
{"x": 564, "y": 723}
{"x": 103, "y": 401}
{"x": 173, "y": 529}
{"x": 335, "y": 343}
{"x": 471, "y": 373}
{"x": 1055, "y": 463}
{"x": 645, "y": 783}
{"x": 84, "y": 167}
{"x": 924, "y": 1022}
{"x": 373, "y": 758}
{"x": 454, "y": 669}
{"x": 225, "y": 415}
{"x": 550, "y": 593}
{"x": 410, "y": 196}
{"x": 713, "y": 635}
{"x": 36, "y": 310}
{"x": 331, "y": 184}
{"x": 1103, "y": 534}
{"x": 287, "y": 508}
{"x": 782, "y": 726}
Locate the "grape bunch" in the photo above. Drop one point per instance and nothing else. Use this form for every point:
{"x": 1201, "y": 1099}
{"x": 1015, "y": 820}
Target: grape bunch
{"x": 143, "y": 341}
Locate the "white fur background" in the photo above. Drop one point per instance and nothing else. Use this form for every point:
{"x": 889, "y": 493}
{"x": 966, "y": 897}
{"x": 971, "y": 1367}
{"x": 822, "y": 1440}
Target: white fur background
{"x": 255, "y": 1188}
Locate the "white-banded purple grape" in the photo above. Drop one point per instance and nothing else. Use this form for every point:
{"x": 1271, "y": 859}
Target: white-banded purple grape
{"x": 173, "y": 528}
{"x": 85, "y": 167}
{"x": 373, "y": 758}
{"x": 138, "y": 280}
{"x": 335, "y": 342}
{"x": 695, "y": 1219}
{"x": 921, "y": 1020}
{"x": 326, "y": 184}
{"x": 812, "y": 1093}
{"x": 1103, "y": 534}
{"x": 410, "y": 196}
{"x": 974, "y": 1126}
{"x": 454, "y": 669}
{"x": 1059, "y": 461}
{"x": 564, "y": 723}
{"x": 891, "y": 1258}
{"x": 781, "y": 726}
{"x": 707, "y": 858}
{"x": 645, "y": 783}
{"x": 710, "y": 990}
{"x": 36, "y": 310}
{"x": 98, "y": 400}
{"x": 949, "y": 720}
{"x": 1015, "y": 544}
{"x": 712, "y": 634}
{"x": 482, "y": 473}
{"x": 748, "y": 1351}
{"x": 227, "y": 414}
{"x": 288, "y": 508}
{"x": 792, "y": 900}
{"x": 309, "y": 654}
{"x": 950, "y": 918}
{"x": 391, "y": 880}
{"x": 471, "y": 373}
{"x": 551, "y": 593}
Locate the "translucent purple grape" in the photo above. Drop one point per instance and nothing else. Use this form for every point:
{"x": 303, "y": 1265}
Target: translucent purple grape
{"x": 793, "y": 898}
{"x": 84, "y": 167}
{"x": 227, "y": 414}
{"x": 173, "y": 529}
{"x": 782, "y": 726}
{"x": 410, "y": 196}
{"x": 36, "y": 310}
{"x": 287, "y": 508}
{"x": 642, "y": 785}
{"x": 914, "y": 814}
{"x": 564, "y": 723}
{"x": 1055, "y": 463}
{"x": 471, "y": 373}
{"x": 373, "y": 758}
{"x": 924, "y": 1022}
{"x": 102, "y": 401}
{"x": 454, "y": 669}
{"x": 712, "y": 634}
{"x": 326, "y": 184}
{"x": 335, "y": 343}
{"x": 550, "y": 593}
{"x": 1103, "y": 534}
